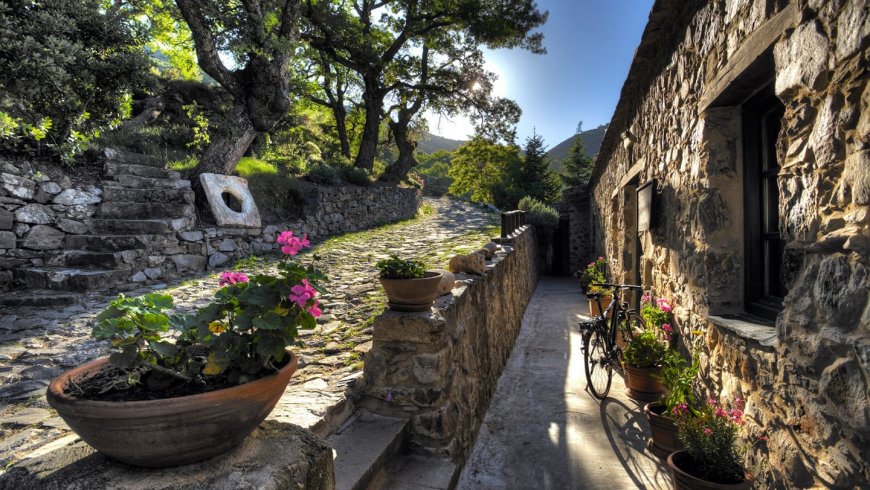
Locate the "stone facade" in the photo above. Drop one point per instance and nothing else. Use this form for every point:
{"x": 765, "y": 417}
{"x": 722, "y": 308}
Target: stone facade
{"x": 440, "y": 368}
{"x": 679, "y": 123}
{"x": 64, "y": 232}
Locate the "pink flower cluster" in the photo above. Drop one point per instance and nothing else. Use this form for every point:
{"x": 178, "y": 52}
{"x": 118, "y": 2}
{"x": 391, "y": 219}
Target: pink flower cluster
{"x": 735, "y": 415}
{"x": 303, "y": 293}
{"x": 680, "y": 409}
{"x": 232, "y": 278}
{"x": 292, "y": 244}
{"x": 667, "y": 328}
{"x": 664, "y": 305}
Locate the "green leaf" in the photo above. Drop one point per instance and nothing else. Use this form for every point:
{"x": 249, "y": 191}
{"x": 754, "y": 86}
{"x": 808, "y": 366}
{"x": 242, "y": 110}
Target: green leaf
{"x": 158, "y": 300}
{"x": 125, "y": 358}
{"x": 155, "y": 322}
{"x": 263, "y": 296}
{"x": 163, "y": 349}
{"x": 269, "y": 321}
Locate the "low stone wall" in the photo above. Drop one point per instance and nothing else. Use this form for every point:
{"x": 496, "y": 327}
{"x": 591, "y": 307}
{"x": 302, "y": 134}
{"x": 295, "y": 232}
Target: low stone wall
{"x": 440, "y": 368}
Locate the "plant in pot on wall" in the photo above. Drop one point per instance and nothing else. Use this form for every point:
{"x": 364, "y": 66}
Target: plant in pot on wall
{"x": 408, "y": 285}
{"x": 644, "y": 354}
{"x": 594, "y": 273}
{"x": 711, "y": 458}
{"x": 677, "y": 376}
{"x": 161, "y": 401}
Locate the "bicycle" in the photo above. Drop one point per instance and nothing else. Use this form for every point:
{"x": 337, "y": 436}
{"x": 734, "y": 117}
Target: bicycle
{"x": 601, "y": 354}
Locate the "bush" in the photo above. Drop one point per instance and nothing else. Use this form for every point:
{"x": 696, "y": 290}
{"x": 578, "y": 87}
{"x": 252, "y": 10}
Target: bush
{"x": 645, "y": 351}
{"x": 396, "y": 268}
{"x": 324, "y": 174}
{"x": 355, "y": 176}
{"x": 539, "y": 214}
{"x": 69, "y": 70}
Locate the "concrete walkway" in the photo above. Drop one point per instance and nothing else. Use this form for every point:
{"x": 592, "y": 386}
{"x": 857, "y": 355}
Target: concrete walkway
{"x": 543, "y": 429}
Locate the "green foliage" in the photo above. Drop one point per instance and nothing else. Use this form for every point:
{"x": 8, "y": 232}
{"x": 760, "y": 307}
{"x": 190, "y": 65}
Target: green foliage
{"x": 594, "y": 273}
{"x": 355, "y": 176}
{"x": 645, "y": 350}
{"x": 249, "y": 166}
{"x": 536, "y": 179}
{"x": 577, "y": 167}
{"x": 324, "y": 174}
{"x": 678, "y": 377}
{"x": 485, "y": 172}
{"x": 539, "y": 214}
{"x": 200, "y": 126}
{"x": 396, "y": 268}
{"x": 710, "y": 436}
{"x": 434, "y": 170}
{"x": 69, "y": 67}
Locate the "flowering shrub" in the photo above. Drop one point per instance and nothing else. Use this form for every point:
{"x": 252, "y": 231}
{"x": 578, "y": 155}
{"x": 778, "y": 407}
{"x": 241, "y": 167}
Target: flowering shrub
{"x": 657, "y": 314}
{"x": 594, "y": 273}
{"x": 710, "y": 436}
{"x": 241, "y": 335}
{"x": 678, "y": 376}
{"x": 645, "y": 350}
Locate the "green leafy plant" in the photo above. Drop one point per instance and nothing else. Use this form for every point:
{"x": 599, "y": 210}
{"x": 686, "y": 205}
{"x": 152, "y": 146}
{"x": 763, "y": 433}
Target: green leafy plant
{"x": 396, "y": 268}
{"x": 645, "y": 350}
{"x": 241, "y": 335}
{"x": 592, "y": 274}
{"x": 678, "y": 377}
{"x": 710, "y": 436}
{"x": 539, "y": 214}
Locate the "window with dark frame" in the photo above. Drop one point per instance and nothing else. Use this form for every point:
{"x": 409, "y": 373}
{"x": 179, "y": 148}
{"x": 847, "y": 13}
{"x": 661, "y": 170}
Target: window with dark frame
{"x": 762, "y": 118}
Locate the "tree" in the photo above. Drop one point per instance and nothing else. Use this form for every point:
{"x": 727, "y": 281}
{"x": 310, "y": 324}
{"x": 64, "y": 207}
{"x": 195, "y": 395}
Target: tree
{"x": 577, "y": 166}
{"x": 485, "y": 172}
{"x": 536, "y": 179}
{"x": 261, "y": 36}
{"x": 374, "y": 37}
{"x": 69, "y": 69}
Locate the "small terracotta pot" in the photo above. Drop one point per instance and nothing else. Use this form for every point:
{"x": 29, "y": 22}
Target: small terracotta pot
{"x": 593, "y": 305}
{"x": 663, "y": 431}
{"x": 680, "y": 461}
{"x": 170, "y": 431}
{"x": 641, "y": 385}
{"x": 412, "y": 294}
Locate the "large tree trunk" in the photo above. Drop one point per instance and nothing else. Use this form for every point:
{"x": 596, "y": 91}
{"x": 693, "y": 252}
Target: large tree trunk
{"x": 340, "y": 115}
{"x": 398, "y": 170}
{"x": 368, "y": 147}
{"x": 228, "y": 145}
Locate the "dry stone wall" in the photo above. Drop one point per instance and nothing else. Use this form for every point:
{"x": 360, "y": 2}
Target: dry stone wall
{"x": 806, "y": 378}
{"x": 440, "y": 368}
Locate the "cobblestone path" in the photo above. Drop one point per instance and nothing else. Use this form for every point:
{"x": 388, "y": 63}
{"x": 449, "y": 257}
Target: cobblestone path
{"x": 37, "y": 344}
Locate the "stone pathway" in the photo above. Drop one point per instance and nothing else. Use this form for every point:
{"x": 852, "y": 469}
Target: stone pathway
{"x": 543, "y": 430}
{"x": 37, "y": 344}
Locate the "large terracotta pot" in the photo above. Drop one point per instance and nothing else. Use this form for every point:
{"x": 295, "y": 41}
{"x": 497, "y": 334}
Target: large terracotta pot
{"x": 680, "y": 461}
{"x": 412, "y": 294}
{"x": 170, "y": 431}
{"x": 593, "y": 305}
{"x": 663, "y": 431}
{"x": 641, "y": 384}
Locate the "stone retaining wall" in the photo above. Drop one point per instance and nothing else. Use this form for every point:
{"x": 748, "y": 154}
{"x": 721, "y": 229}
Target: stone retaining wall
{"x": 678, "y": 122}
{"x": 440, "y": 368}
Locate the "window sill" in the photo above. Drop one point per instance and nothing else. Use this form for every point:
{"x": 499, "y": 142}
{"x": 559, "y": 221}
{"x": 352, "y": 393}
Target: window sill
{"x": 748, "y": 327}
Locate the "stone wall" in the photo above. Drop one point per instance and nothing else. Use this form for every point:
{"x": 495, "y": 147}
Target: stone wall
{"x": 69, "y": 232}
{"x": 440, "y": 368}
{"x": 679, "y": 123}
{"x": 575, "y": 205}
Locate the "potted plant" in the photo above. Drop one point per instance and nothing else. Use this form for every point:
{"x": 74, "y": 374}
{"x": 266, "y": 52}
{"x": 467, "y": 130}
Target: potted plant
{"x": 166, "y": 400}
{"x": 409, "y": 286}
{"x": 677, "y": 376}
{"x": 642, "y": 360}
{"x": 594, "y": 273}
{"x": 711, "y": 459}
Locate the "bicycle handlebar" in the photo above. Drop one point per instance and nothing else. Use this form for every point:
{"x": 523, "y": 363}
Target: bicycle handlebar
{"x": 618, "y": 286}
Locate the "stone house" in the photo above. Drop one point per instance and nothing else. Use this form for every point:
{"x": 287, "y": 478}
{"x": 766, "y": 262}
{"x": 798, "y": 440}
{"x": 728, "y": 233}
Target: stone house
{"x": 735, "y": 180}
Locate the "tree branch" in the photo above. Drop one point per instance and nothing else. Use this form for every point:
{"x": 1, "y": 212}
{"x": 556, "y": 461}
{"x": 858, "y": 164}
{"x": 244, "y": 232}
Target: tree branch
{"x": 206, "y": 50}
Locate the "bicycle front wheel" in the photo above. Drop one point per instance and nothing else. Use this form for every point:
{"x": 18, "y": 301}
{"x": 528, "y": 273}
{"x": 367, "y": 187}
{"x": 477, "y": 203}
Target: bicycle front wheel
{"x": 599, "y": 372}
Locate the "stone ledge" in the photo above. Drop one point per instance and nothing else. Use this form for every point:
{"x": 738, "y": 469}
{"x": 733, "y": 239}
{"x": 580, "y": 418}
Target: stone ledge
{"x": 275, "y": 456}
{"x": 747, "y": 328}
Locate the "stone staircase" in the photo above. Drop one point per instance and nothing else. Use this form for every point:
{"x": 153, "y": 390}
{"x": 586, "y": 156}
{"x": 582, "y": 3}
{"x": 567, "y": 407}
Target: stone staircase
{"x": 143, "y": 207}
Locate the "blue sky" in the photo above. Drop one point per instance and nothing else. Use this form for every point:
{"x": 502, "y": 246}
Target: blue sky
{"x": 590, "y": 45}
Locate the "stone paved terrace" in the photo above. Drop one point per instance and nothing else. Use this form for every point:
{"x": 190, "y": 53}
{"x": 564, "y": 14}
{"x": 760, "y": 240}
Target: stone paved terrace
{"x": 36, "y": 344}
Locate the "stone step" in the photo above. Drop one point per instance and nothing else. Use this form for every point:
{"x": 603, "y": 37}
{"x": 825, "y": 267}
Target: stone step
{"x": 140, "y": 227}
{"x": 364, "y": 446}
{"x": 136, "y": 182}
{"x": 114, "y": 169}
{"x": 126, "y": 194}
{"x": 70, "y": 279}
{"x": 104, "y": 260}
{"x": 131, "y": 158}
{"x": 418, "y": 470}
{"x": 145, "y": 210}
{"x": 112, "y": 243}
{"x": 40, "y": 297}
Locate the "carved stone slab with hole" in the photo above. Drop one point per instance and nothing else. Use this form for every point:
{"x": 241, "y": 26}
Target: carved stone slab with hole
{"x": 230, "y": 201}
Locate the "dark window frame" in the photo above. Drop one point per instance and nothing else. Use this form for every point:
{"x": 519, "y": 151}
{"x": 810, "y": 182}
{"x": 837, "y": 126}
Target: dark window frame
{"x": 761, "y": 119}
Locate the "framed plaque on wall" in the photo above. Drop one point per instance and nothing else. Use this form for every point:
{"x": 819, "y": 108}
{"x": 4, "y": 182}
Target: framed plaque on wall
{"x": 645, "y": 194}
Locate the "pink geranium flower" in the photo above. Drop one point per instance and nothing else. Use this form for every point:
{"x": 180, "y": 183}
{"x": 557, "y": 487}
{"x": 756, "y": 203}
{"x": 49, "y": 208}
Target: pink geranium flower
{"x": 292, "y": 244}
{"x": 232, "y": 278}
{"x": 707, "y": 431}
{"x": 667, "y": 328}
{"x": 314, "y": 309}
{"x": 301, "y": 293}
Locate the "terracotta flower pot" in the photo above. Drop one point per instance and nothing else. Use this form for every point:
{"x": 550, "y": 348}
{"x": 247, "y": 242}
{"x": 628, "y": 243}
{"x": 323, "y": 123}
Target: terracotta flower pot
{"x": 663, "y": 431}
{"x": 170, "y": 431}
{"x": 680, "y": 463}
{"x": 412, "y": 294}
{"x": 641, "y": 384}
{"x": 593, "y": 305}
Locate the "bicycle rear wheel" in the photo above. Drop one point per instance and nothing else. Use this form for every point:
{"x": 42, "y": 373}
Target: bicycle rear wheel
{"x": 599, "y": 371}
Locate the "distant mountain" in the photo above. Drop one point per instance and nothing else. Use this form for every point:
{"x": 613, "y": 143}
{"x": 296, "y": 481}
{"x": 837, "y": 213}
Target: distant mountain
{"x": 591, "y": 139}
{"x": 432, "y": 143}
